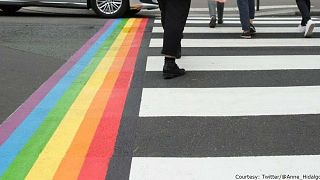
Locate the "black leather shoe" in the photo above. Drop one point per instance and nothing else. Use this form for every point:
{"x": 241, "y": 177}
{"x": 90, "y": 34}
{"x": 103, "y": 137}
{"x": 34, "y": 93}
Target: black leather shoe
{"x": 220, "y": 21}
{"x": 213, "y": 22}
{"x": 172, "y": 70}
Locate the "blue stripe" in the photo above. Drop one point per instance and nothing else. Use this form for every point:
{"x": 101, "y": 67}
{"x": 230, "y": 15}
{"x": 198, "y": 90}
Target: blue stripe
{"x": 18, "y": 139}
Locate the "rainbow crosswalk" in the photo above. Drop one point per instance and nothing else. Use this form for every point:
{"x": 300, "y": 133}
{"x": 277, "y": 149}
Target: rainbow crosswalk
{"x": 68, "y": 127}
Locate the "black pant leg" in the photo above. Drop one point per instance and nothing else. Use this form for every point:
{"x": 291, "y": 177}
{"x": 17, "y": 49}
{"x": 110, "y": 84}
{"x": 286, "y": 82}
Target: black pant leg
{"x": 304, "y": 10}
{"x": 176, "y": 14}
{"x": 162, "y": 5}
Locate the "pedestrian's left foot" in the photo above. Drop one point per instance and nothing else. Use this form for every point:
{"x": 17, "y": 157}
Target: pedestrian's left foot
{"x": 309, "y": 29}
{"x": 213, "y": 22}
{"x": 246, "y": 35}
{"x": 172, "y": 70}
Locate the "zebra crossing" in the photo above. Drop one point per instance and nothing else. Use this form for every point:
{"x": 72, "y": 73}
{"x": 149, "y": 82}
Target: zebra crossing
{"x": 246, "y": 109}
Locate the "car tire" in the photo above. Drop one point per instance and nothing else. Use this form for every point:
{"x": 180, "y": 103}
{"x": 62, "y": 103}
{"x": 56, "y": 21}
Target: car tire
{"x": 110, "y": 8}
{"x": 10, "y": 9}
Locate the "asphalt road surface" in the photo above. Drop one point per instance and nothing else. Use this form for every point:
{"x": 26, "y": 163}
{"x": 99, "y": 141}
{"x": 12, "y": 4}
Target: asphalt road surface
{"x": 240, "y": 98}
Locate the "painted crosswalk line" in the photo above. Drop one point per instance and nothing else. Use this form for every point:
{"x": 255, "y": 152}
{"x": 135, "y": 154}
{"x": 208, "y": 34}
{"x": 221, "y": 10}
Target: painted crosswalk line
{"x": 238, "y": 22}
{"x": 239, "y": 63}
{"x": 238, "y": 101}
{"x": 226, "y": 168}
{"x": 285, "y": 42}
{"x": 236, "y": 30}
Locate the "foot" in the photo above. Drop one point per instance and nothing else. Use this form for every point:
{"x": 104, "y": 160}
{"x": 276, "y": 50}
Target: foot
{"x": 301, "y": 28}
{"x": 220, "y": 21}
{"x": 252, "y": 29}
{"x": 172, "y": 70}
{"x": 309, "y": 28}
{"x": 246, "y": 35}
{"x": 213, "y": 22}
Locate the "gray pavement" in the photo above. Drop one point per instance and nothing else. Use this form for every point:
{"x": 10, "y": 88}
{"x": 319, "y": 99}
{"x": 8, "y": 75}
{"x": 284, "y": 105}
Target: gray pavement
{"x": 32, "y": 48}
{"x": 37, "y": 41}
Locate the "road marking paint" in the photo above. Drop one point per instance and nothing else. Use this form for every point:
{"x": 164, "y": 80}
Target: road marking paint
{"x": 227, "y": 168}
{"x": 236, "y": 30}
{"x": 239, "y": 101}
{"x": 239, "y": 63}
{"x": 238, "y": 22}
{"x": 284, "y": 42}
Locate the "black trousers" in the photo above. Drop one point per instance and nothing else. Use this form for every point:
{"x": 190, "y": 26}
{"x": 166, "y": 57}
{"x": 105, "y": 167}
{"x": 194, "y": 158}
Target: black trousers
{"x": 304, "y": 7}
{"x": 174, "y": 14}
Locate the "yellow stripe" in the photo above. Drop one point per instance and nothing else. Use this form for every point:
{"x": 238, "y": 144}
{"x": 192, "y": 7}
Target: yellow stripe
{"x": 52, "y": 155}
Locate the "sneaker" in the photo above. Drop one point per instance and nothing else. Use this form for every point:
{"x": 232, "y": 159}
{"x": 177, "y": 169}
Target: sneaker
{"x": 246, "y": 35}
{"x": 172, "y": 70}
{"x": 213, "y": 22}
{"x": 252, "y": 29}
{"x": 301, "y": 28}
{"x": 309, "y": 28}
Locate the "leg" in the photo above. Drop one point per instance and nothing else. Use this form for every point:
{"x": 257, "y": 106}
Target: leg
{"x": 252, "y": 9}
{"x": 212, "y": 13}
{"x": 220, "y": 7}
{"x": 244, "y": 14}
{"x": 304, "y": 10}
{"x": 176, "y": 15}
{"x": 162, "y": 8}
{"x": 212, "y": 8}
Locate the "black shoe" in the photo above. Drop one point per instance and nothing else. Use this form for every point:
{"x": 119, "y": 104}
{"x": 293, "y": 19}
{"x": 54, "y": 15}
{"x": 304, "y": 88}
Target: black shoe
{"x": 213, "y": 22}
{"x": 220, "y": 21}
{"x": 246, "y": 35}
{"x": 172, "y": 70}
{"x": 252, "y": 29}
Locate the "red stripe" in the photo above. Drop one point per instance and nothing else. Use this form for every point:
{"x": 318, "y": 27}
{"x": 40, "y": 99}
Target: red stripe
{"x": 102, "y": 147}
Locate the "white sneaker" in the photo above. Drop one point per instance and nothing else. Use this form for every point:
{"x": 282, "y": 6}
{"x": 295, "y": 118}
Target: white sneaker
{"x": 301, "y": 28}
{"x": 309, "y": 28}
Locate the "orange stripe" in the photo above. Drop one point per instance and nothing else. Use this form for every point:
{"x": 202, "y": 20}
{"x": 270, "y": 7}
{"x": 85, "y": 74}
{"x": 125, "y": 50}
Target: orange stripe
{"x": 71, "y": 164}
{"x": 102, "y": 147}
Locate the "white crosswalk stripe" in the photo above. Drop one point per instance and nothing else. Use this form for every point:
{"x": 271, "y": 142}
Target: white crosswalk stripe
{"x": 168, "y": 105}
{"x": 234, "y": 30}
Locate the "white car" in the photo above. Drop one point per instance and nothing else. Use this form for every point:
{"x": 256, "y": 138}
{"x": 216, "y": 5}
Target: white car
{"x": 103, "y": 8}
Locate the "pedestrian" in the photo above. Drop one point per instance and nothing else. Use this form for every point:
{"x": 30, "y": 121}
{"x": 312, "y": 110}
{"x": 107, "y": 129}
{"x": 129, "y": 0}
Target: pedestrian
{"x": 214, "y": 6}
{"x": 174, "y": 14}
{"x": 307, "y": 25}
{"x": 247, "y": 13}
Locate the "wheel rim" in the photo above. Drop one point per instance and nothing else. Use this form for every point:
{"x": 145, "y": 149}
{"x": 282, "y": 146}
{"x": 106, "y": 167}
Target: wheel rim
{"x": 109, "y": 6}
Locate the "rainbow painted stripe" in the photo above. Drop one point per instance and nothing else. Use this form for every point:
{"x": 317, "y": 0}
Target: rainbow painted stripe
{"x": 67, "y": 129}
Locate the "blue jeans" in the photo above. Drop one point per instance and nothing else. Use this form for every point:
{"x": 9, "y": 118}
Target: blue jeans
{"x": 212, "y": 4}
{"x": 246, "y": 11}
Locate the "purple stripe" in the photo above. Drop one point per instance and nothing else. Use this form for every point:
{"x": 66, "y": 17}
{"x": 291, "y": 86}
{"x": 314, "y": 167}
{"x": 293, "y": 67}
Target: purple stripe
{"x": 13, "y": 121}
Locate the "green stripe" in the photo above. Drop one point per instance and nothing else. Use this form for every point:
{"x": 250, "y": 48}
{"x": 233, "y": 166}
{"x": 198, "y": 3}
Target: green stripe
{"x": 29, "y": 154}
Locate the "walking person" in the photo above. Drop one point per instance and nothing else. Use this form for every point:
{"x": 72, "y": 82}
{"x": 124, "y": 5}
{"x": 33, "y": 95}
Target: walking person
{"x": 174, "y": 14}
{"x": 247, "y": 14}
{"x": 214, "y": 6}
{"x": 307, "y": 25}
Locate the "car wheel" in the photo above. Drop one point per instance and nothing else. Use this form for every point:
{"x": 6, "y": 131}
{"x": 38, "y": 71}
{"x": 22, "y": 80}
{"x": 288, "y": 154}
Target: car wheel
{"x": 110, "y": 8}
{"x": 10, "y": 9}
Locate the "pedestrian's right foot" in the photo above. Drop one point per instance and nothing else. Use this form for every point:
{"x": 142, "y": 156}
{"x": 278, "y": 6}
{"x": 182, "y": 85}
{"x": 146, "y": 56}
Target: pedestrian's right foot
{"x": 213, "y": 22}
{"x": 246, "y": 35}
{"x": 172, "y": 70}
{"x": 309, "y": 28}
